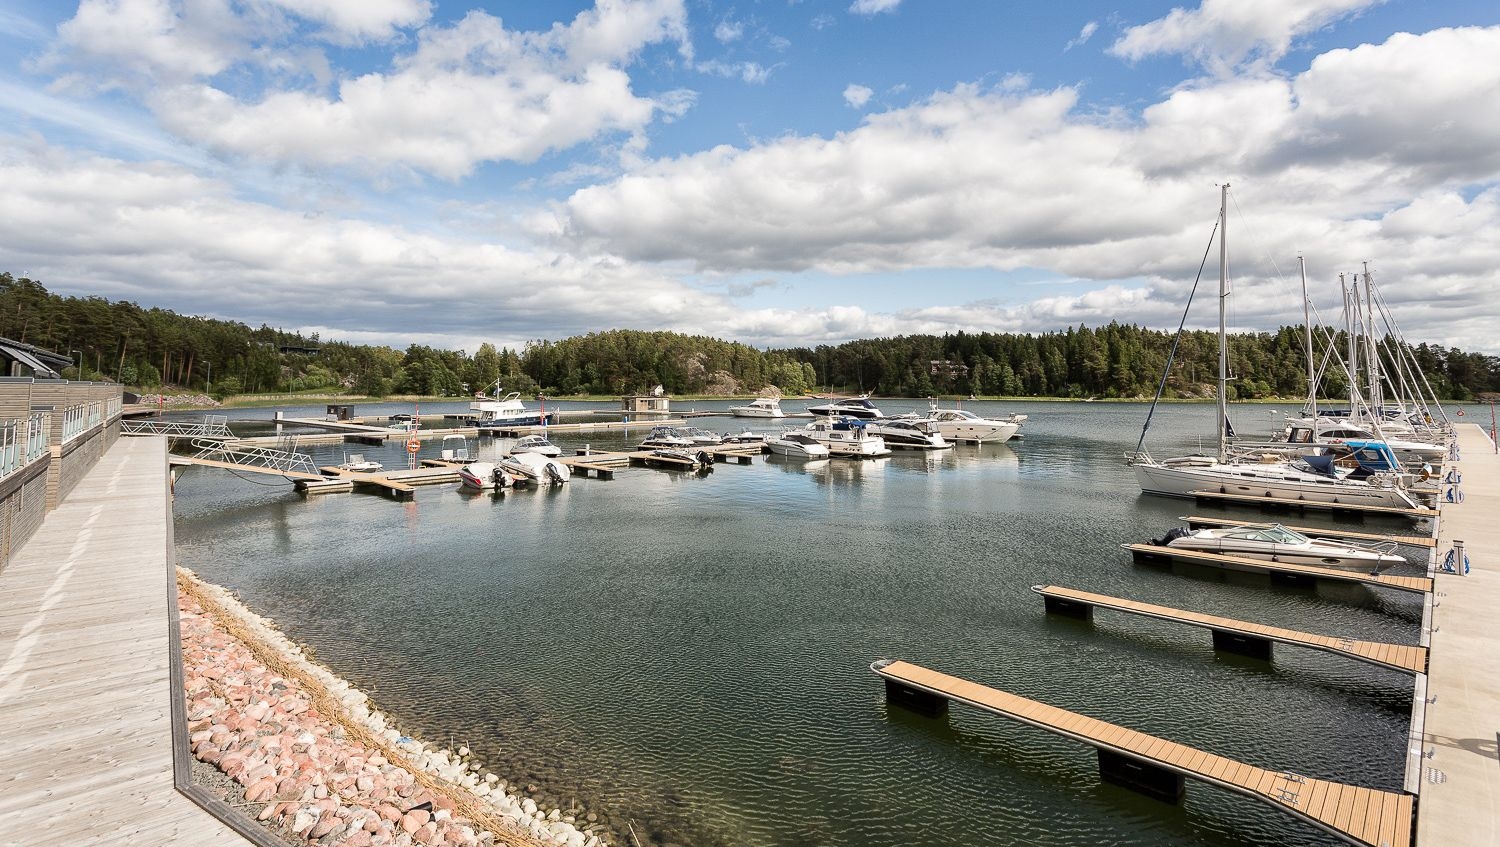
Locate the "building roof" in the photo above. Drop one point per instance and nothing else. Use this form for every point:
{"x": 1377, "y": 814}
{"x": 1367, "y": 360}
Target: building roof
{"x": 43, "y": 364}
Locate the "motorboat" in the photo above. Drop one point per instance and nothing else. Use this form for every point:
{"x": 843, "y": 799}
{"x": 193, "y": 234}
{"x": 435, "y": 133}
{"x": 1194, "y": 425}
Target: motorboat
{"x": 665, "y": 437}
{"x": 847, "y": 437}
{"x": 911, "y": 434}
{"x": 1268, "y": 475}
{"x": 492, "y": 411}
{"x": 961, "y": 425}
{"x": 848, "y": 407}
{"x": 357, "y": 463}
{"x": 761, "y": 407}
{"x": 700, "y": 437}
{"x": 1275, "y": 543}
{"x": 536, "y": 444}
{"x": 746, "y": 437}
{"x": 691, "y": 460}
{"x": 455, "y": 448}
{"x": 483, "y": 476}
{"x": 796, "y": 445}
{"x": 539, "y": 469}
{"x": 1306, "y": 433}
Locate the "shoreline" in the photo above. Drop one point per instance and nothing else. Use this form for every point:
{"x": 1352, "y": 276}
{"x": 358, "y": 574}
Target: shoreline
{"x": 318, "y": 762}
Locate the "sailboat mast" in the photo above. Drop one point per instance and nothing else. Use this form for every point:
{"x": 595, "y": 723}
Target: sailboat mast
{"x": 1223, "y": 325}
{"x": 1372, "y": 359}
{"x": 1312, "y": 379}
{"x": 1351, "y": 367}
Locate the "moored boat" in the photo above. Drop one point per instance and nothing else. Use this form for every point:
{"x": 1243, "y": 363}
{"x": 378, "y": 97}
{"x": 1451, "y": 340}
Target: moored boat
{"x": 1275, "y": 543}
{"x": 535, "y": 444}
{"x": 847, "y": 437}
{"x": 796, "y": 445}
{"x": 761, "y": 407}
{"x": 909, "y": 433}
{"x": 539, "y": 469}
{"x": 492, "y": 411}
{"x": 962, "y": 425}
{"x": 848, "y": 407}
{"x": 483, "y": 476}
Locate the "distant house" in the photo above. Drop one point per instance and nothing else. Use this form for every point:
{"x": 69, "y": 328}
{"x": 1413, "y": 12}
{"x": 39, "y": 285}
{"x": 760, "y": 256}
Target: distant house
{"x": 646, "y": 404}
{"x": 947, "y": 368}
{"x": 19, "y": 359}
{"x": 306, "y": 351}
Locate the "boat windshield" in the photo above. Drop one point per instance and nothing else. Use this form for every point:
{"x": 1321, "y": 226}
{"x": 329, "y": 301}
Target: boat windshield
{"x": 1273, "y": 533}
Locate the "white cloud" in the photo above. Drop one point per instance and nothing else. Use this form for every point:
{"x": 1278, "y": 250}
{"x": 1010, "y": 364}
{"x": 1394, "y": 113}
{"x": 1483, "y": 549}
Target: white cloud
{"x": 470, "y": 93}
{"x": 752, "y": 72}
{"x": 359, "y": 20}
{"x": 727, "y": 30}
{"x": 1221, "y": 35}
{"x": 1083, "y": 36}
{"x": 873, "y": 7}
{"x": 857, "y": 95}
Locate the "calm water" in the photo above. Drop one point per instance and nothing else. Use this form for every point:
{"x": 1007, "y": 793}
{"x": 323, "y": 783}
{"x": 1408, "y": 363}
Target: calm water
{"x": 689, "y": 654}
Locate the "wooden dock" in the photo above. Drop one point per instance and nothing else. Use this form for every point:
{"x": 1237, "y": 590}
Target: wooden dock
{"x": 1238, "y": 636}
{"x": 1293, "y": 504}
{"x": 1199, "y": 522}
{"x": 1156, "y": 766}
{"x": 1156, "y": 552}
{"x": 87, "y": 694}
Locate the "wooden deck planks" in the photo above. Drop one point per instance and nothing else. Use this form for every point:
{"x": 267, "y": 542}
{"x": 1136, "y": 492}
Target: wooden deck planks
{"x": 1396, "y": 656}
{"x": 1312, "y": 504}
{"x": 1360, "y": 815}
{"x": 1401, "y": 583}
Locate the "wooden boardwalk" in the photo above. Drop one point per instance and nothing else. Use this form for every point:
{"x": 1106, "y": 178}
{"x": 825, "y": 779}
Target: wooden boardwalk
{"x": 1198, "y": 521}
{"x": 85, "y": 685}
{"x": 1358, "y": 815}
{"x": 1400, "y": 657}
{"x": 1418, "y": 584}
{"x": 1290, "y": 503}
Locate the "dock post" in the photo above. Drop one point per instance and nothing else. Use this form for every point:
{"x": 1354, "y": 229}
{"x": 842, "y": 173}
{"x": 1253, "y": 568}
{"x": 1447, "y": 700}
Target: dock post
{"x": 1068, "y": 608}
{"x": 1244, "y": 645}
{"x": 1126, "y": 772}
{"x": 922, "y": 702}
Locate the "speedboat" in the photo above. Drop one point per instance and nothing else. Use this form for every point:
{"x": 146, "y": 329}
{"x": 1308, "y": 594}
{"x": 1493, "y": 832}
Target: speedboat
{"x": 688, "y": 459}
{"x": 665, "y": 437}
{"x": 483, "y": 476}
{"x": 455, "y": 448}
{"x": 700, "y": 437}
{"x": 848, "y": 407}
{"x": 536, "y": 444}
{"x": 496, "y": 412}
{"x": 796, "y": 445}
{"x": 960, "y": 425}
{"x": 746, "y": 437}
{"x": 913, "y": 434}
{"x": 1275, "y": 543}
{"x": 357, "y": 463}
{"x": 539, "y": 469}
{"x": 761, "y": 407}
{"x": 847, "y": 437}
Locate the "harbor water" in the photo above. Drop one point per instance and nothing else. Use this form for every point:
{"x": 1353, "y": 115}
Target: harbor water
{"x": 687, "y": 656}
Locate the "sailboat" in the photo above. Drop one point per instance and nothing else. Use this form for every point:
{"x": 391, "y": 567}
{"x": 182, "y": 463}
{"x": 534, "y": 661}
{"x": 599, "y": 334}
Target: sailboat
{"x": 1266, "y": 477}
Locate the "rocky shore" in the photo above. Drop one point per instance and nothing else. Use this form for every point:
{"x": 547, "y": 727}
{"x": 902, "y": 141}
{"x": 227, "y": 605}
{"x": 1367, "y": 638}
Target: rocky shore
{"x": 317, "y": 763}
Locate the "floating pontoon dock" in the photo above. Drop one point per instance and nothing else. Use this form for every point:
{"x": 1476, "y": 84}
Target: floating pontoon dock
{"x": 1158, "y": 553}
{"x": 1199, "y": 522}
{"x": 1293, "y": 504}
{"x": 1237, "y": 636}
{"x": 1156, "y": 767}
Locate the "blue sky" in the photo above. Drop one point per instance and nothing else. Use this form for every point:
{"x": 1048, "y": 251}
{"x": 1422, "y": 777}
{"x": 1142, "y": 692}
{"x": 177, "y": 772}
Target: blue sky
{"x": 779, "y": 173}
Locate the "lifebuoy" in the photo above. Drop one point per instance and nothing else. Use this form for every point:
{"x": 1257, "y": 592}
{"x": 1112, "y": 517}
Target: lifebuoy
{"x": 1460, "y": 412}
{"x": 413, "y": 445}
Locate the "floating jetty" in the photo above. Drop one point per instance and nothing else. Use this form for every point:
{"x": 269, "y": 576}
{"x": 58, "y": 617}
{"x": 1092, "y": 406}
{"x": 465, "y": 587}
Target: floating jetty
{"x": 1157, "y": 767}
{"x": 1284, "y": 504}
{"x": 1235, "y": 636}
{"x": 1199, "y": 522}
{"x": 1159, "y": 553}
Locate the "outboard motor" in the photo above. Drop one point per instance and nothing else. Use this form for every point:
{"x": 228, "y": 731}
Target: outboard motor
{"x": 1173, "y": 534}
{"x": 554, "y": 474}
{"x": 705, "y": 460}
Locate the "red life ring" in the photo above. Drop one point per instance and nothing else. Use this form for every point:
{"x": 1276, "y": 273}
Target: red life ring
{"x": 1460, "y": 412}
{"x": 413, "y": 445}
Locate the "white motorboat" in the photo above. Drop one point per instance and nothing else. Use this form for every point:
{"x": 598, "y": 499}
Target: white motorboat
{"x": 796, "y": 445}
{"x": 1265, "y": 476}
{"x": 483, "y": 476}
{"x": 497, "y": 412}
{"x": 455, "y": 448}
{"x": 846, "y": 437}
{"x": 357, "y": 463}
{"x": 913, "y": 434}
{"x": 666, "y": 437}
{"x": 1322, "y": 431}
{"x": 692, "y": 460}
{"x": 1275, "y": 543}
{"x": 961, "y": 425}
{"x": 700, "y": 437}
{"x": 761, "y": 407}
{"x": 848, "y": 407}
{"x": 539, "y": 469}
{"x": 536, "y": 444}
{"x": 746, "y": 437}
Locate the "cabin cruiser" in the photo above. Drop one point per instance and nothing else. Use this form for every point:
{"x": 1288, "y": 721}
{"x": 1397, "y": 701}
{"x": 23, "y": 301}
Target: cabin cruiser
{"x": 535, "y": 444}
{"x": 960, "y": 425}
{"x": 483, "y": 476}
{"x": 915, "y": 434}
{"x": 666, "y": 437}
{"x": 496, "y": 412}
{"x": 357, "y": 463}
{"x": 1275, "y": 543}
{"x": 535, "y": 467}
{"x": 796, "y": 445}
{"x": 846, "y": 437}
{"x": 849, "y": 407}
{"x": 762, "y": 407}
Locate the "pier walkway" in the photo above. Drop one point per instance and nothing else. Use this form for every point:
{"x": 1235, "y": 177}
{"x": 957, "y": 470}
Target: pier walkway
{"x": 1461, "y": 790}
{"x": 86, "y": 687}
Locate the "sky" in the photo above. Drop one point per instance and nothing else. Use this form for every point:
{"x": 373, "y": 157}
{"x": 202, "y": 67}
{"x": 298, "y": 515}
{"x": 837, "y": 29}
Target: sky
{"x": 780, "y": 173}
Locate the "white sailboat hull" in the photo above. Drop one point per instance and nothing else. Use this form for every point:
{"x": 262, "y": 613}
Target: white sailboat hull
{"x": 1263, "y": 481}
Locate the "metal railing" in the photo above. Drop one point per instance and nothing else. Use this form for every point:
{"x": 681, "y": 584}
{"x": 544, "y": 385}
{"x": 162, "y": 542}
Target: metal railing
{"x": 22, "y": 442}
{"x": 285, "y": 460}
{"x": 75, "y": 422}
{"x": 212, "y": 426}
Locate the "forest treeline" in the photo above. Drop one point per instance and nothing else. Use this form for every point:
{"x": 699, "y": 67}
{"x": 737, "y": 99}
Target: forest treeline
{"x": 150, "y": 348}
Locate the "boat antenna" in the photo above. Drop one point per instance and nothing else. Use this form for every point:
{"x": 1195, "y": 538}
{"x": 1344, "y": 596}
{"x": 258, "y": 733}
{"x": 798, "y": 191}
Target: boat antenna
{"x": 1177, "y": 339}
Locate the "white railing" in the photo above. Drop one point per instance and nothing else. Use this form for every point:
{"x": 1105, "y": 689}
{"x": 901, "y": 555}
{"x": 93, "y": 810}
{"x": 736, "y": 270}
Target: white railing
{"x": 112, "y": 408}
{"x": 11, "y": 447}
{"x": 75, "y": 422}
{"x": 38, "y": 428}
{"x": 23, "y": 442}
{"x": 96, "y": 414}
